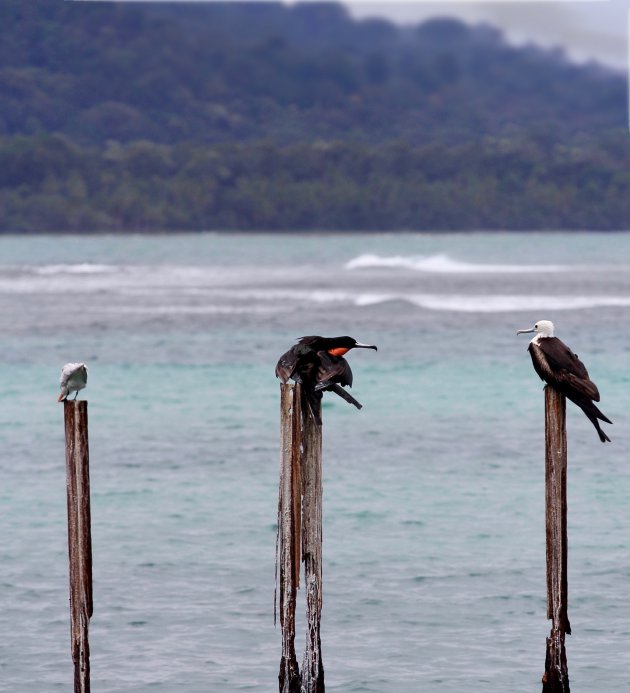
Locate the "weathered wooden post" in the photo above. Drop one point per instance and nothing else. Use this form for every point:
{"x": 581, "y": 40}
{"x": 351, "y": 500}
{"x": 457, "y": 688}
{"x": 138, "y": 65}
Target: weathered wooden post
{"x": 300, "y": 539}
{"x": 312, "y": 666}
{"x": 79, "y": 538}
{"x": 288, "y": 540}
{"x": 556, "y": 677}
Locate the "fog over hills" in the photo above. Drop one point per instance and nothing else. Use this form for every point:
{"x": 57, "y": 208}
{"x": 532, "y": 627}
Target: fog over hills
{"x": 587, "y": 31}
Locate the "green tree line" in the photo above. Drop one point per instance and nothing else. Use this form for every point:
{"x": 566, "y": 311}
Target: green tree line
{"x": 48, "y": 183}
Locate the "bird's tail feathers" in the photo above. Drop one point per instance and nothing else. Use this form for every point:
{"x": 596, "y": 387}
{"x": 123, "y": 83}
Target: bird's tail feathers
{"x": 592, "y": 417}
{"x": 591, "y": 410}
{"x": 344, "y": 394}
{"x": 601, "y": 416}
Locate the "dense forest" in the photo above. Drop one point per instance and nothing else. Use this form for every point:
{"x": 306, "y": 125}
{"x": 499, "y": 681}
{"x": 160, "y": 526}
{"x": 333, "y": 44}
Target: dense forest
{"x": 150, "y": 116}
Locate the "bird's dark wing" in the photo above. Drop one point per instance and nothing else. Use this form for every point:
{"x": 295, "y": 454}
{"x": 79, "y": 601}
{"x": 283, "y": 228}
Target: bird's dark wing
{"x": 287, "y": 364}
{"x": 300, "y": 361}
{"x": 566, "y": 369}
{"x": 310, "y": 341}
{"x": 332, "y": 369}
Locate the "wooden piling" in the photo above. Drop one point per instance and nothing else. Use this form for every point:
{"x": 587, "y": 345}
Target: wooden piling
{"x": 79, "y": 538}
{"x": 289, "y": 523}
{"x": 312, "y": 666}
{"x": 556, "y": 677}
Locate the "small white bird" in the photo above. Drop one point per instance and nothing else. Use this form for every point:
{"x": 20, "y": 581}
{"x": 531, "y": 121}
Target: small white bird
{"x": 73, "y": 378}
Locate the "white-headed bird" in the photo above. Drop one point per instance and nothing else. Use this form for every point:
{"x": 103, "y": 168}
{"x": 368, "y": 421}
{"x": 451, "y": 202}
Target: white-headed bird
{"x": 558, "y": 366}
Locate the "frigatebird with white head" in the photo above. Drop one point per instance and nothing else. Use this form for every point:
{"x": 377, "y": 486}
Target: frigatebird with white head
{"x": 73, "y": 378}
{"x": 318, "y": 364}
{"x": 558, "y": 366}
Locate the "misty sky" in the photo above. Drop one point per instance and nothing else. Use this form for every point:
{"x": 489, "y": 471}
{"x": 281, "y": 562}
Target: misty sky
{"x": 585, "y": 28}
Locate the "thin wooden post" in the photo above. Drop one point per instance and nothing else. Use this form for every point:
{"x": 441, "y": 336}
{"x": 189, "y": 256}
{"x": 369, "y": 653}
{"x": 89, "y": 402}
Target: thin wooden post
{"x": 556, "y": 677}
{"x": 289, "y": 520}
{"x": 312, "y": 666}
{"x": 79, "y": 538}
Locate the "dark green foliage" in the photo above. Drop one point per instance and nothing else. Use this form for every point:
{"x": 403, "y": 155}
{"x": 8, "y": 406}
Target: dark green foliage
{"x": 49, "y": 184}
{"x": 263, "y": 116}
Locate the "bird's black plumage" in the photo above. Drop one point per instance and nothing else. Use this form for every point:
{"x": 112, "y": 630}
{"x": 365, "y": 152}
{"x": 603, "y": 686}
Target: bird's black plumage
{"x": 318, "y": 364}
{"x": 558, "y": 366}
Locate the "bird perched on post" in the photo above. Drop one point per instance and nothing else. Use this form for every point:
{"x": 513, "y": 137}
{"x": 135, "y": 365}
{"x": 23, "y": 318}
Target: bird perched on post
{"x": 557, "y": 365}
{"x": 73, "y": 378}
{"x": 318, "y": 364}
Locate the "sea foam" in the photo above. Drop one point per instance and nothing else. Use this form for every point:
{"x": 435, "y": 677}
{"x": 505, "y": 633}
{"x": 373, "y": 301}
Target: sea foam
{"x": 463, "y": 303}
{"x": 442, "y": 263}
{"x": 81, "y": 268}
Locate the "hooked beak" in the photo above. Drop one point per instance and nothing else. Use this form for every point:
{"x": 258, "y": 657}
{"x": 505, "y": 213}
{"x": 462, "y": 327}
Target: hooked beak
{"x": 61, "y": 397}
{"x": 533, "y": 329}
{"x": 358, "y": 345}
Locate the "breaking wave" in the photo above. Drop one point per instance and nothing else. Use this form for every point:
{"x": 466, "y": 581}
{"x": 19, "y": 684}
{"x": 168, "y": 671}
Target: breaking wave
{"x": 81, "y": 268}
{"x": 442, "y": 263}
{"x": 462, "y": 303}
{"x": 495, "y": 304}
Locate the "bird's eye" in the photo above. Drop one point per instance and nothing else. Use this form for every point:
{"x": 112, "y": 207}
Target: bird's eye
{"x": 535, "y": 327}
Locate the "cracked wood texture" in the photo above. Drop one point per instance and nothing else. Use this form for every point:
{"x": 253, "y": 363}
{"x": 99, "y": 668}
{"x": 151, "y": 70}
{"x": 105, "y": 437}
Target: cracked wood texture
{"x": 312, "y": 666}
{"x": 79, "y": 538}
{"x": 289, "y": 529}
{"x": 556, "y": 677}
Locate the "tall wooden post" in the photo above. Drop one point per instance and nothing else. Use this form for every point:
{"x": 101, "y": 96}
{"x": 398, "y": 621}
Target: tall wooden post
{"x": 289, "y": 521}
{"x": 300, "y": 539}
{"x": 79, "y": 538}
{"x": 556, "y": 677}
{"x": 312, "y": 666}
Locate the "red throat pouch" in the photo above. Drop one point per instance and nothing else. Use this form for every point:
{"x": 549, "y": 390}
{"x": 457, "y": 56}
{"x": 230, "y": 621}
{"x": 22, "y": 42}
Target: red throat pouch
{"x": 340, "y": 351}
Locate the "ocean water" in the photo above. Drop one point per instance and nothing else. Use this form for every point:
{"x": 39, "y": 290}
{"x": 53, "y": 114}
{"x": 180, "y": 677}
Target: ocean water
{"x": 434, "y": 554}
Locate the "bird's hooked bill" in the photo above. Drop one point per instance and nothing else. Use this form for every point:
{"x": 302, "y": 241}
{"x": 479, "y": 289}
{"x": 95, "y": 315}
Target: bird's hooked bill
{"x": 531, "y": 329}
{"x": 358, "y": 345}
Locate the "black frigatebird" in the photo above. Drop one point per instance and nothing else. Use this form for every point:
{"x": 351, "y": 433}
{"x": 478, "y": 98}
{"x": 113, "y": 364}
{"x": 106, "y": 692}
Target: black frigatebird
{"x": 318, "y": 364}
{"x": 558, "y": 366}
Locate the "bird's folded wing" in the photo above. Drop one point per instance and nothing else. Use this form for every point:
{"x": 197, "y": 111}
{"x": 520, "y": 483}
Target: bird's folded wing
{"x": 582, "y": 385}
{"x": 333, "y": 369}
{"x": 567, "y": 367}
{"x": 286, "y": 365}
{"x": 67, "y": 371}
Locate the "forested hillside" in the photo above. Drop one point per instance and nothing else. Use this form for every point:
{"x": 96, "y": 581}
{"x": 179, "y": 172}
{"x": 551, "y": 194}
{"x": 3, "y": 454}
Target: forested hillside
{"x": 262, "y": 116}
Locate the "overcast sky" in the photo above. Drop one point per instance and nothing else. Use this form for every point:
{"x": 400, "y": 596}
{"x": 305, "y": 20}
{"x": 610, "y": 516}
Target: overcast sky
{"x": 585, "y": 28}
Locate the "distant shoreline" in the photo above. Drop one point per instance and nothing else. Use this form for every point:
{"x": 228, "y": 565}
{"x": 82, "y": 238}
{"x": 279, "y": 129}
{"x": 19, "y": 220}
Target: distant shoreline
{"x": 311, "y": 232}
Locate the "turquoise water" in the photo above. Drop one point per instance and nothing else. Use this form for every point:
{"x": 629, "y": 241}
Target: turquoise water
{"x": 434, "y": 557}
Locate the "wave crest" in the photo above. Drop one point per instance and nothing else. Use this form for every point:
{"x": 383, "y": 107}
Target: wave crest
{"x": 442, "y": 263}
{"x": 460, "y": 303}
{"x": 81, "y": 268}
